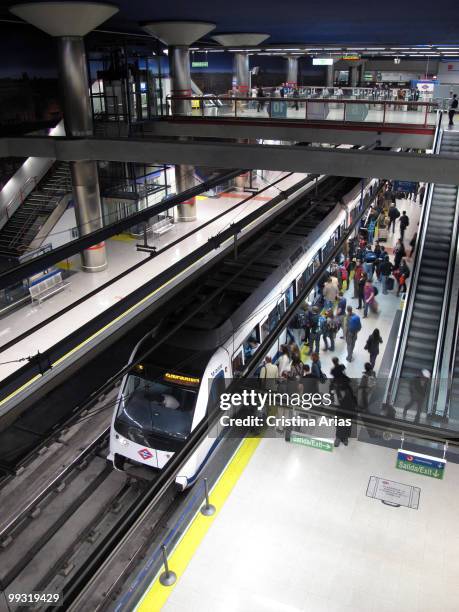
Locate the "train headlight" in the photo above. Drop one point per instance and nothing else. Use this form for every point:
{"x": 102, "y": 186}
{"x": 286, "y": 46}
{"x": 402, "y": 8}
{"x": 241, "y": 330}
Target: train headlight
{"x": 123, "y": 441}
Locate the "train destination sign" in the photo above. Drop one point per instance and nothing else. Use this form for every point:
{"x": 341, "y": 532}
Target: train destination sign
{"x": 425, "y": 465}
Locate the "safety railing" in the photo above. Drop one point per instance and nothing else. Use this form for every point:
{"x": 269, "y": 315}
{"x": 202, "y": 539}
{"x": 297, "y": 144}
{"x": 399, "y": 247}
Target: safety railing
{"x": 17, "y": 199}
{"x": 312, "y": 109}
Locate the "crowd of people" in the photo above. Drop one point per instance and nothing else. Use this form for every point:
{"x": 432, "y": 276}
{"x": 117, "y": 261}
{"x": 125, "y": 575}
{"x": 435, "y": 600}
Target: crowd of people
{"x": 367, "y": 268}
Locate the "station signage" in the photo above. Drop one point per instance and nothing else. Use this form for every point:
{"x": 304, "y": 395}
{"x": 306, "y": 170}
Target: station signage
{"x": 417, "y": 463}
{"x": 322, "y": 61}
{"x": 199, "y": 64}
{"x": 352, "y": 57}
{"x": 392, "y": 493}
{"x": 319, "y": 443}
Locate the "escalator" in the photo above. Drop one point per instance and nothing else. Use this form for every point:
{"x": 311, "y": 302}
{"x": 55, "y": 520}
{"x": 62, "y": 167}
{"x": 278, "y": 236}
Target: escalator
{"x": 421, "y": 345}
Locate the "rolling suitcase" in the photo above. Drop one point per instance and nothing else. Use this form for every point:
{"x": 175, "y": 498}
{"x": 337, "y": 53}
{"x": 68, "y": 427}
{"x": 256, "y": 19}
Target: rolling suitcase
{"x": 390, "y": 283}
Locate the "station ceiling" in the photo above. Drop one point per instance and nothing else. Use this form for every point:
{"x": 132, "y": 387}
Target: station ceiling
{"x": 410, "y": 22}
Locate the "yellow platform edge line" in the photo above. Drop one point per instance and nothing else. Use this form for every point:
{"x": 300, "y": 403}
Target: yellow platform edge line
{"x": 157, "y": 594}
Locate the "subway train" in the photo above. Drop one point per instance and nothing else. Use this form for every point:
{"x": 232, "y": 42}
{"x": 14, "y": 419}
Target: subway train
{"x": 164, "y": 397}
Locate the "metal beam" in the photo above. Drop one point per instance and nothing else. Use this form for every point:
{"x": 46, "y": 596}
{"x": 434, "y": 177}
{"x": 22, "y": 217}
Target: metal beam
{"x": 316, "y": 160}
{"x": 331, "y": 132}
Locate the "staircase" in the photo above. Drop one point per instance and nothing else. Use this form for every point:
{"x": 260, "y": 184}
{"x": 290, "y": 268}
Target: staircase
{"x": 431, "y": 288}
{"x": 17, "y": 234}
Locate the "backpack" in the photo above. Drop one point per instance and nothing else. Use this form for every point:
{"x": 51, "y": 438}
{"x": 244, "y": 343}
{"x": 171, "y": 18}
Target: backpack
{"x": 317, "y": 324}
{"x": 354, "y": 325}
{"x": 375, "y": 289}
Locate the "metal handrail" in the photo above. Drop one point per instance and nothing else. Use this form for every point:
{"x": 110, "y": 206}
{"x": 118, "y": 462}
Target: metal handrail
{"x": 440, "y": 358}
{"x": 19, "y": 194}
{"x": 402, "y": 337}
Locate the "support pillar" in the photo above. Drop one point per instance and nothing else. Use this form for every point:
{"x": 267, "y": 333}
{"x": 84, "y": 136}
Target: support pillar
{"x": 292, "y": 71}
{"x": 241, "y": 74}
{"x": 178, "y": 36}
{"x": 74, "y": 86}
{"x": 330, "y": 76}
{"x": 69, "y": 22}
{"x": 354, "y": 76}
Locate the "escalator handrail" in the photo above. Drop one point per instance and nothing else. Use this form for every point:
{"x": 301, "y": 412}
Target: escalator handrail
{"x": 441, "y": 356}
{"x": 451, "y": 333}
{"x": 405, "y": 323}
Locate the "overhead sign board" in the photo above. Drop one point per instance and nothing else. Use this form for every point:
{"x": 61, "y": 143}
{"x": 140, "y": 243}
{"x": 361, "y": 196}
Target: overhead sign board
{"x": 425, "y": 465}
{"x": 322, "y": 61}
{"x": 393, "y": 493}
{"x": 199, "y": 64}
{"x": 351, "y": 57}
{"x": 319, "y": 443}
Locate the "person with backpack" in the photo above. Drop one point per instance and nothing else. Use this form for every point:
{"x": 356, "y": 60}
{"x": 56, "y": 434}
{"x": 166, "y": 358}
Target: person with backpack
{"x": 404, "y": 222}
{"x": 316, "y": 368}
{"x": 317, "y": 322}
{"x": 330, "y": 329}
{"x": 372, "y": 346}
{"x": 403, "y": 274}
{"x": 341, "y": 308}
{"x": 354, "y": 325}
{"x": 348, "y": 405}
{"x": 399, "y": 254}
{"x": 369, "y": 296}
{"x": 367, "y": 383}
{"x": 394, "y": 214}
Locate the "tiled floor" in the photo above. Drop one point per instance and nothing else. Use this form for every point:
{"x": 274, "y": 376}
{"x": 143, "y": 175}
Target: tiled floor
{"x": 299, "y": 533}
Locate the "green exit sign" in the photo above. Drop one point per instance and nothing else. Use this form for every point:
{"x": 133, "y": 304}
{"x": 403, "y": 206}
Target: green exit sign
{"x": 199, "y": 64}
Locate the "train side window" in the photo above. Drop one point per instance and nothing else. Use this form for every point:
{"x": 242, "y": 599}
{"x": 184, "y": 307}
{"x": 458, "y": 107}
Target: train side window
{"x": 251, "y": 344}
{"x": 281, "y": 306}
{"x": 290, "y": 295}
{"x": 273, "y": 318}
{"x": 264, "y": 330}
{"x": 237, "y": 363}
{"x": 299, "y": 284}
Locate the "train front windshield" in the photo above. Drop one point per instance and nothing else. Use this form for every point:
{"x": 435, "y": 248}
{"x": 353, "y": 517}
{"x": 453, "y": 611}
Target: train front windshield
{"x": 155, "y": 409}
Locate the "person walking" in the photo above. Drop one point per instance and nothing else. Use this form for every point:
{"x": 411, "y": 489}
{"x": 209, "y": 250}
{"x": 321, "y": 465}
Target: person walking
{"x": 452, "y": 110}
{"x": 403, "y": 274}
{"x": 339, "y": 378}
{"x": 269, "y": 373}
{"x": 394, "y": 214}
{"x": 419, "y": 392}
{"x": 317, "y": 323}
{"x": 341, "y": 308}
{"x": 283, "y": 363}
{"x": 367, "y": 383}
{"x": 330, "y": 329}
{"x": 348, "y": 405}
{"x": 361, "y": 290}
{"x": 421, "y": 193}
{"x": 317, "y": 375}
{"x": 330, "y": 293}
{"x": 385, "y": 269}
{"x": 260, "y": 102}
{"x": 295, "y": 96}
{"x": 372, "y": 346}
{"x": 369, "y": 297}
{"x": 399, "y": 254}
{"x": 354, "y": 326}
{"x": 403, "y": 223}
{"x": 358, "y": 271}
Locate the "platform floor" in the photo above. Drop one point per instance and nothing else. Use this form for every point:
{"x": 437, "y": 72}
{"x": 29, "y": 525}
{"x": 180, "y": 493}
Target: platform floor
{"x": 298, "y": 533}
{"x": 388, "y": 305}
{"x": 122, "y": 254}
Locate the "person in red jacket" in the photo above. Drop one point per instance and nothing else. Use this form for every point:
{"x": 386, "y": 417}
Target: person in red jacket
{"x": 358, "y": 271}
